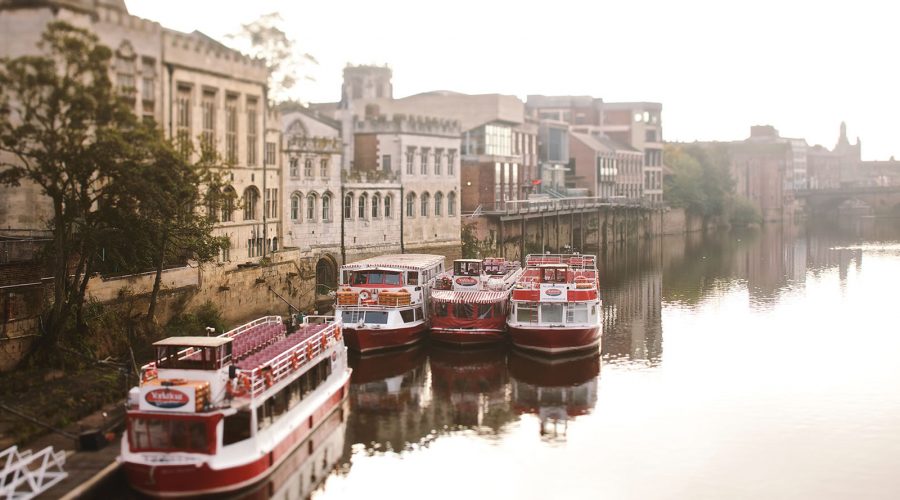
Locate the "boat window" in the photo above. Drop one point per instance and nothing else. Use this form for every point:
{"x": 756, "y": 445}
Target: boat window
{"x": 419, "y": 315}
{"x": 464, "y": 311}
{"x": 392, "y": 278}
{"x": 169, "y": 434}
{"x": 377, "y": 317}
{"x": 376, "y": 278}
{"x": 351, "y": 316}
{"x": 577, "y": 313}
{"x": 346, "y": 280}
{"x": 484, "y": 311}
{"x": 236, "y": 428}
{"x": 551, "y": 313}
{"x": 412, "y": 277}
{"x": 359, "y": 278}
{"x": 440, "y": 309}
{"x": 407, "y": 315}
{"x": 201, "y": 359}
{"x": 526, "y": 313}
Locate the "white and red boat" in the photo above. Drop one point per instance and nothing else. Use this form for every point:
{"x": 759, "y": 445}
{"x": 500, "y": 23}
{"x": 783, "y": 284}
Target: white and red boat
{"x": 218, "y": 414}
{"x": 469, "y": 306}
{"x": 383, "y": 301}
{"x": 556, "y": 304}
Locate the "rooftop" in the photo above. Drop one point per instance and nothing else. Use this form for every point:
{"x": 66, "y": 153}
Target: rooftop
{"x": 193, "y": 341}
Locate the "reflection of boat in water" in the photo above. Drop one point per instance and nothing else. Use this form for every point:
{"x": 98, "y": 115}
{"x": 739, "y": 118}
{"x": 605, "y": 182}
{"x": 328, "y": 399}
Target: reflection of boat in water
{"x": 554, "y": 389}
{"x": 471, "y": 385}
{"x": 305, "y": 469}
{"x": 387, "y": 381}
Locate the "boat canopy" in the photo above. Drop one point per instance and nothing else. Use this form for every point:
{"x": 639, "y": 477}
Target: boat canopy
{"x": 475, "y": 297}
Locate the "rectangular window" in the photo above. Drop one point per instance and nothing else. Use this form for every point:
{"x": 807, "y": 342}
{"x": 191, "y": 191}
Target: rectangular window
{"x": 551, "y": 313}
{"x": 407, "y": 315}
{"x": 183, "y": 119}
{"x": 526, "y": 313}
{"x": 125, "y": 69}
{"x": 419, "y": 315}
{"x": 295, "y": 167}
{"x": 410, "y": 154}
{"x": 438, "y": 157}
{"x": 148, "y": 80}
{"x": 271, "y": 203}
{"x": 576, "y": 313}
{"x": 208, "y": 134}
{"x": 451, "y": 162}
{"x": 236, "y": 428}
{"x": 323, "y": 168}
{"x": 270, "y": 153}
{"x": 252, "y": 145}
{"x": 377, "y": 317}
{"x": 386, "y": 163}
{"x": 463, "y": 311}
{"x": 231, "y": 139}
{"x": 424, "y": 162}
{"x": 307, "y": 168}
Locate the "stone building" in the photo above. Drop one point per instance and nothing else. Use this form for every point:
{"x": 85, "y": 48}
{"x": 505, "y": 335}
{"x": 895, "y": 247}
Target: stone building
{"x": 191, "y": 86}
{"x": 639, "y": 125}
{"x": 607, "y": 169}
{"x": 835, "y": 168}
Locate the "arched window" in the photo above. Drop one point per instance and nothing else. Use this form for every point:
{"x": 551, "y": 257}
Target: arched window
{"x": 296, "y": 199}
{"x": 361, "y": 212}
{"x": 451, "y": 203}
{"x": 348, "y": 206}
{"x": 375, "y": 202}
{"x": 213, "y": 196}
{"x": 228, "y": 197}
{"x": 438, "y": 201}
{"x": 387, "y": 206}
{"x": 251, "y": 203}
{"x": 411, "y": 205}
{"x": 326, "y": 207}
{"x": 425, "y": 200}
{"x": 311, "y": 200}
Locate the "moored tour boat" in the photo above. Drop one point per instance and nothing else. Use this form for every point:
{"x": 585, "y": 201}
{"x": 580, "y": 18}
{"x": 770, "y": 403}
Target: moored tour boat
{"x": 218, "y": 414}
{"x": 469, "y": 306}
{"x": 383, "y": 301}
{"x": 556, "y": 304}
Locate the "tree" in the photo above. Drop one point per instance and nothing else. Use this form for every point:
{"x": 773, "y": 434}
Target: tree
{"x": 700, "y": 181}
{"x": 265, "y": 39}
{"x": 64, "y": 128}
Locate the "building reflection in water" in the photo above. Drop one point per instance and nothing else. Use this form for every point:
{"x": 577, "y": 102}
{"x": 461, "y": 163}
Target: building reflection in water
{"x": 631, "y": 291}
{"x": 556, "y": 390}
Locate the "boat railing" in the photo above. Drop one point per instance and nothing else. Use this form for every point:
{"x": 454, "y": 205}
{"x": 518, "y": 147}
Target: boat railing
{"x": 575, "y": 261}
{"x": 294, "y": 359}
{"x": 25, "y": 475}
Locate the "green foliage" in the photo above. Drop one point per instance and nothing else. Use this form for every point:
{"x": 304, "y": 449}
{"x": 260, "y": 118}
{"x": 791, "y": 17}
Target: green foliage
{"x": 472, "y": 247}
{"x": 195, "y": 323}
{"x": 744, "y": 213}
{"x": 700, "y": 181}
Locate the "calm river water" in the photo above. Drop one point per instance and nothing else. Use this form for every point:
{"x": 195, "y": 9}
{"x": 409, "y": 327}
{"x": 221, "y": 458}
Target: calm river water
{"x": 758, "y": 364}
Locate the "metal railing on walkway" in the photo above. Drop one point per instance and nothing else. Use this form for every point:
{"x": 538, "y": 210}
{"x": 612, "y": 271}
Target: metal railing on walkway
{"x": 25, "y": 475}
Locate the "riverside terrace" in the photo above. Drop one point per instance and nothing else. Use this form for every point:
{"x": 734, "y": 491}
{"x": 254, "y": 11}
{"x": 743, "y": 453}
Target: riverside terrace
{"x": 550, "y": 224}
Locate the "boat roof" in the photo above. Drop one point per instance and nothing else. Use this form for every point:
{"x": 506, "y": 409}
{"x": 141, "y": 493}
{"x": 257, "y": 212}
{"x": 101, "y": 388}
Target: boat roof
{"x": 470, "y": 297}
{"x": 193, "y": 341}
{"x": 402, "y": 260}
{"x": 467, "y": 260}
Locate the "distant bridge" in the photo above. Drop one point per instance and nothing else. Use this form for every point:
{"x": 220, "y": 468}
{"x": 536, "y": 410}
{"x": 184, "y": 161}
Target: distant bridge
{"x": 881, "y": 199}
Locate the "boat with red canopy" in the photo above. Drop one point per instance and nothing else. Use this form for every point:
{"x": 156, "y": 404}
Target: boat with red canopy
{"x": 469, "y": 306}
{"x": 556, "y": 304}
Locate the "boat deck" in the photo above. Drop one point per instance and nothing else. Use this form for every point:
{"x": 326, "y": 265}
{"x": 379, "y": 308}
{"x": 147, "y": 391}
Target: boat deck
{"x": 265, "y": 344}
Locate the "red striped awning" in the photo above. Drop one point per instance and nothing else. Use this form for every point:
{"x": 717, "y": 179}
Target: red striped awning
{"x": 478, "y": 297}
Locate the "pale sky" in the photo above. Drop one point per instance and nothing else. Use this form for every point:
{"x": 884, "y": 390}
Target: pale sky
{"x": 718, "y": 67}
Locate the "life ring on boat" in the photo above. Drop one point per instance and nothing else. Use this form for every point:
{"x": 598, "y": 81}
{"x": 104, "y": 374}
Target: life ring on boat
{"x": 294, "y": 361}
{"x": 364, "y": 295}
{"x": 149, "y": 374}
{"x": 267, "y": 376}
{"x": 309, "y": 350}
{"x": 324, "y": 341}
{"x": 239, "y": 386}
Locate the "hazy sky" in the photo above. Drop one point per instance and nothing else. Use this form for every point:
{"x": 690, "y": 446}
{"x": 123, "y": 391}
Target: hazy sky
{"x": 718, "y": 67}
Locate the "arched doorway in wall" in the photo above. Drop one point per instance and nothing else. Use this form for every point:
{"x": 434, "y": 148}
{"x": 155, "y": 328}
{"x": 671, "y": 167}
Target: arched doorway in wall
{"x": 326, "y": 281}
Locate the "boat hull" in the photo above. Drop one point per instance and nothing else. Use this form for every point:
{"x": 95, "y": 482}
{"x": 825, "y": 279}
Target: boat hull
{"x": 467, "y": 337}
{"x": 370, "y": 339}
{"x": 190, "y": 480}
{"x": 549, "y": 340}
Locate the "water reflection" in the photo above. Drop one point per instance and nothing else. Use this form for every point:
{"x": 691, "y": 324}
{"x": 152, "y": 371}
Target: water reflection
{"x": 556, "y": 390}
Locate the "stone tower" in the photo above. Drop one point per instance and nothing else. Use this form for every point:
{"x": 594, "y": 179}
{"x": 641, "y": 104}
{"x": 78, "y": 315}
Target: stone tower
{"x": 365, "y": 83}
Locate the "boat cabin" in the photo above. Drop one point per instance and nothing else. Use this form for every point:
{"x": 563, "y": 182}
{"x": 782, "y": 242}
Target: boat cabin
{"x": 378, "y": 277}
{"x": 467, "y": 267}
{"x": 193, "y": 353}
{"x": 554, "y": 273}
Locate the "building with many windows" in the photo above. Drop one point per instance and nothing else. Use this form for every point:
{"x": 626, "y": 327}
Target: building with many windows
{"x": 192, "y": 86}
{"x": 639, "y": 125}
